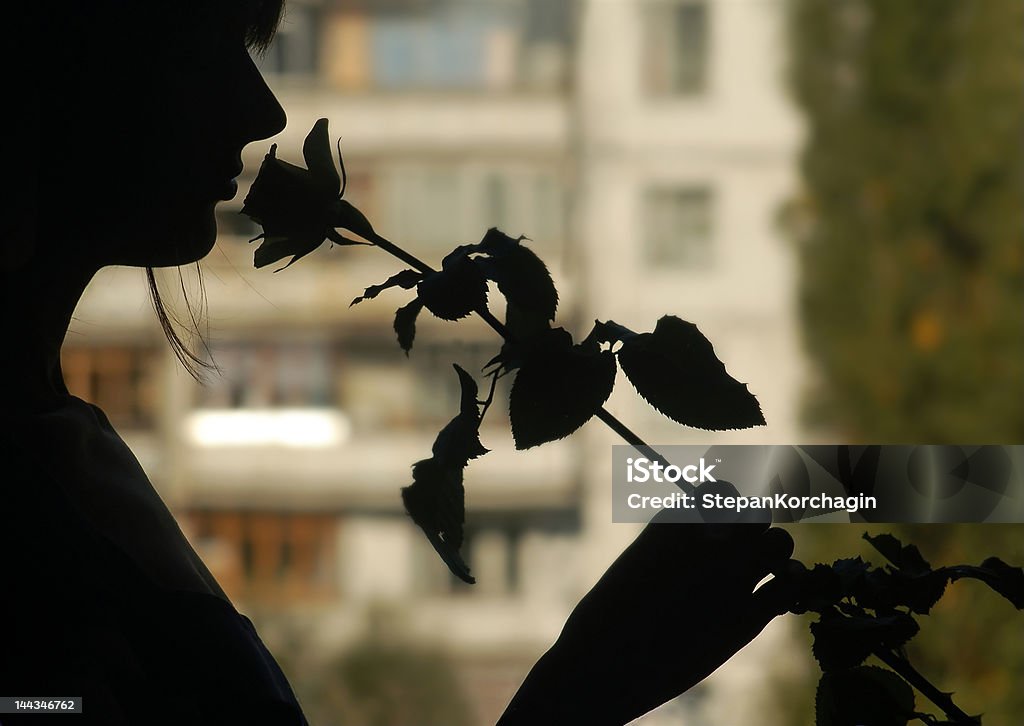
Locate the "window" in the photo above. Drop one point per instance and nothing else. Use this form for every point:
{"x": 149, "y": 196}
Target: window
{"x": 497, "y": 45}
{"x": 520, "y": 200}
{"x": 260, "y": 555}
{"x": 382, "y": 391}
{"x": 675, "y": 47}
{"x": 507, "y": 550}
{"x": 549, "y": 208}
{"x": 425, "y": 207}
{"x": 547, "y": 38}
{"x": 428, "y": 52}
{"x": 432, "y": 207}
{"x": 438, "y": 392}
{"x": 678, "y": 225}
{"x": 120, "y": 379}
{"x": 295, "y": 374}
{"x": 496, "y": 202}
{"x": 269, "y": 394}
{"x": 377, "y": 392}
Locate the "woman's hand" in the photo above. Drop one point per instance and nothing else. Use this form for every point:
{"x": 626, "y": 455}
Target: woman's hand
{"x": 675, "y": 605}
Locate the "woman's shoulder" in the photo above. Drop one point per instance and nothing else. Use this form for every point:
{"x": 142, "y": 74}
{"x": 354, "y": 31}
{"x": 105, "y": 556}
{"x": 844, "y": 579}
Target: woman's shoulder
{"x": 80, "y": 596}
{"x": 71, "y": 455}
{"x": 65, "y": 433}
{"x": 75, "y": 590}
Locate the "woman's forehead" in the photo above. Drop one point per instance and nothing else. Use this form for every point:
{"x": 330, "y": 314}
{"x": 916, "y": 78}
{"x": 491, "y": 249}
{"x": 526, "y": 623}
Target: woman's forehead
{"x": 155, "y": 20}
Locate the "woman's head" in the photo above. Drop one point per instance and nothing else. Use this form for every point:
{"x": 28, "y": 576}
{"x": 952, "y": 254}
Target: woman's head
{"x": 125, "y": 122}
{"x": 144, "y": 115}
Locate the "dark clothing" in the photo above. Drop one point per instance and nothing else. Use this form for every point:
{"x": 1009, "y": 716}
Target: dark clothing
{"x": 80, "y": 617}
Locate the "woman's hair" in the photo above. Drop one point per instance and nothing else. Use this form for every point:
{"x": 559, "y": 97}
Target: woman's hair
{"x": 262, "y": 19}
{"x": 191, "y": 361}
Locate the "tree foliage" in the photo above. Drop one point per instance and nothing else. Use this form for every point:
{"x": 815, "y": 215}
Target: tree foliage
{"x": 910, "y": 225}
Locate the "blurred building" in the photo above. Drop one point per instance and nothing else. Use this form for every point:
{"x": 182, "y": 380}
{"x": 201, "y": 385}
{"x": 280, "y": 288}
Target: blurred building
{"x": 643, "y": 147}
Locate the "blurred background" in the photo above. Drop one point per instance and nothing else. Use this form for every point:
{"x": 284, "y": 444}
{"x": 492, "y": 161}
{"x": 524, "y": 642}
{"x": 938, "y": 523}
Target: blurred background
{"x": 831, "y": 191}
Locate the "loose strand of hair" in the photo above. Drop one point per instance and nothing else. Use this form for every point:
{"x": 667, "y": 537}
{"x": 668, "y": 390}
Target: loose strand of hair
{"x": 196, "y": 365}
{"x": 202, "y": 330}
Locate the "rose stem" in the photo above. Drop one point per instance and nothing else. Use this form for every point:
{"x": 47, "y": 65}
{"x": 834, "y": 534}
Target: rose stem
{"x": 604, "y": 415}
{"x": 914, "y": 678}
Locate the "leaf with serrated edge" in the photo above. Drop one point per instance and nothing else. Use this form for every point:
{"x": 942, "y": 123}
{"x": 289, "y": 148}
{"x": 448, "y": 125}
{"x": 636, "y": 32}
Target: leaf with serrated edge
{"x": 863, "y": 695}
{"x": 557, "y": 389}
{"x": 906, "y": 558}
{"x": 455, "y": 291}
{"x": 436, "y": 498}
{"x": 611, "y": 332}
{"x": 406, "y": 279}
{"x": 459, "y": 440}
{"x": 843, "y": 642}
{"x": 885, "y": 589}
{"x": 405, "y": 324}
{"x": 887, "y": 545}
{"x": 850, "y": 572}
{"x": 521, "y": 276}
{"x": 675, "y": 369}
{"x": 436, "y": 502}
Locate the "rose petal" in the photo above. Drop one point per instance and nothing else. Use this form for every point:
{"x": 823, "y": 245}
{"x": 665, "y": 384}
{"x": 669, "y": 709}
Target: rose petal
{"x": 316, "y": 150}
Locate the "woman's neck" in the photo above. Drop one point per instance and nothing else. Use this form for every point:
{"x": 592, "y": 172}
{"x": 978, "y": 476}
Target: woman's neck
{"x": 40, "y": 299}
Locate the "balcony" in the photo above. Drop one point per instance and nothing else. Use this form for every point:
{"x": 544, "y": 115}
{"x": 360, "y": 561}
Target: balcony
{"x": 363, "y": 473}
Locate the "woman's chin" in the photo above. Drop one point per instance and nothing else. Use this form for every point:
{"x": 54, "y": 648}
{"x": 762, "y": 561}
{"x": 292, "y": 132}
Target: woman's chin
{"x": 180, "y": 241}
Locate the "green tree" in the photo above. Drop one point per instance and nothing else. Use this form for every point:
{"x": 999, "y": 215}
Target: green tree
{"x": 910, "y": 228}
{"x": 970, "y": 644}
{"x": 910, "y": 234}
{"x": 385, "y": 682}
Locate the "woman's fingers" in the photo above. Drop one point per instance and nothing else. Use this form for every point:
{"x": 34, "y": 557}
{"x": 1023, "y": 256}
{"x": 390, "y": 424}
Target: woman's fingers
{"x": 774, "y": 550}
{"x": 765, "y": 555}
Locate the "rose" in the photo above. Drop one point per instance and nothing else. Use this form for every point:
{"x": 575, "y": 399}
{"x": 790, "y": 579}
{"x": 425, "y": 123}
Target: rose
{"x": 300, "y": 208}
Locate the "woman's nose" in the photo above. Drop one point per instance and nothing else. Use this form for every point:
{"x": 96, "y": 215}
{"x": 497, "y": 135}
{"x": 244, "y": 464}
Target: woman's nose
{"x": 263, "y": 116}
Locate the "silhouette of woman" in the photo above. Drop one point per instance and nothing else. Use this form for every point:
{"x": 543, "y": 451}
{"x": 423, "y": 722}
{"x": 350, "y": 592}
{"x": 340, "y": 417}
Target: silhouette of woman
{"x": 101, "y": 595}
